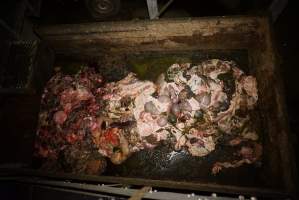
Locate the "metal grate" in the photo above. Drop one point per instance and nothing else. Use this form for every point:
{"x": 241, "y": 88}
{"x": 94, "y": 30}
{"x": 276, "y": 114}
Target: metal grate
{"x": 17, "y": 72}
{"x": 27, "y": 67}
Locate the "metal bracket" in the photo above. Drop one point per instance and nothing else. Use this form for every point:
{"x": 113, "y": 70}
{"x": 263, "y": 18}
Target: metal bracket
{"x": 153, "y": 11}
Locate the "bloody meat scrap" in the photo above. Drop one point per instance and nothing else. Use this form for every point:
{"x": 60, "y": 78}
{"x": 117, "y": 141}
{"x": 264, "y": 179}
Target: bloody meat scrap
{"x": 69, "y": 110}
{"x": 83, "y": 121}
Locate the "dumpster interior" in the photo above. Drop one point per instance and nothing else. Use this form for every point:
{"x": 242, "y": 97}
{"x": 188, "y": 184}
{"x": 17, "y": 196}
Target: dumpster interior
{"x": 40, "y": 42}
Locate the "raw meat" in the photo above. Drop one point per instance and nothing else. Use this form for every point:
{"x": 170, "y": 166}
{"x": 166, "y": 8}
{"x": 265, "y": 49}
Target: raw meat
{"x": 84, "y": 121}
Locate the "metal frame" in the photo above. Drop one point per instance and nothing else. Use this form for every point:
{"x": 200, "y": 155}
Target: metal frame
{"x": 34, "y": 176}
{"x": 110, "y": 190}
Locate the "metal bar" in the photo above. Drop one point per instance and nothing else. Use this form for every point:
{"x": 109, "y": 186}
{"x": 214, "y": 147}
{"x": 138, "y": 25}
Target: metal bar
{"x": 101, "y": 188}
{"x": 152, "y": 6}
{"x": 71, "y": 191}
{"x": 164, "y": 8}
{"x": 195, "y": 186}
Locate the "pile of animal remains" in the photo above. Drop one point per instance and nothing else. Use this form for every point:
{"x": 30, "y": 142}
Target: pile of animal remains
{"x": 83, "y": 121}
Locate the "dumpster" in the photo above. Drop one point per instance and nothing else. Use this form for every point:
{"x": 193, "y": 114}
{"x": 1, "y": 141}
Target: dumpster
{"x": 117, "y": 47}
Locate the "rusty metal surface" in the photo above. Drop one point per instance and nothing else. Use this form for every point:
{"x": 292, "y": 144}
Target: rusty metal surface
{"x": 162, "y": 35}
{"x": 252, "y": 34}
